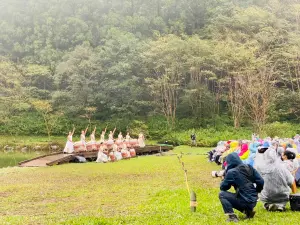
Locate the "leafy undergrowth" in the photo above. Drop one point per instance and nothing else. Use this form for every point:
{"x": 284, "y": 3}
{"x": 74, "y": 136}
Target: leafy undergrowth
{"x": 144, "y": 190}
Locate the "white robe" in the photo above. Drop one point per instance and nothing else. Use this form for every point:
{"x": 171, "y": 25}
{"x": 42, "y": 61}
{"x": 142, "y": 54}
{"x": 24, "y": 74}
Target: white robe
{"x": 69, "y": 148}
{"x": 141, "y": 141}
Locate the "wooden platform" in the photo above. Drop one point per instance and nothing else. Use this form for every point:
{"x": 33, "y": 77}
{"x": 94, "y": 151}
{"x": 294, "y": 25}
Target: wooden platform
{"x": 60, "y": 158}
{"x": 47, "y": 160}
{"x": 152, "y": 149}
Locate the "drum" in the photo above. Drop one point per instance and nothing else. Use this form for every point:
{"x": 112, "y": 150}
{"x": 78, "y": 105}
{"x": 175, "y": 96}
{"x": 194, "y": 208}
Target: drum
{"x": 118, "y": 142}
{"x": 98, "y": 145}
{"x": 110, "y": 142}
{"x": 135, "y": 143}
{"x": 125, "y": 154}
{"x": 112, "y": 157}
{"x": 90, "y": 146}
{"x": 132, "y": 152}
{"x": 79, "y": 147}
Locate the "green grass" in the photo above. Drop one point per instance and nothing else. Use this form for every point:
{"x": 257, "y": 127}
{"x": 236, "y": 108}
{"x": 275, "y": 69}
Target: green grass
{"x": 29, "y": 140}
{"x": 12, "y": 159}
{"x": 144, "y": 190}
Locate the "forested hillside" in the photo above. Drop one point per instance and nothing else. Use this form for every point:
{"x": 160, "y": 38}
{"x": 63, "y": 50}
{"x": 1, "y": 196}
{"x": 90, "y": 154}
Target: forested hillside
{"x": 161, "y": 64}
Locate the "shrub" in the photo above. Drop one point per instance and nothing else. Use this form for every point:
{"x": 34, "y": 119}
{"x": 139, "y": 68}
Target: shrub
{"x": 207, "y": 137}
{"x": 280, "y": 130}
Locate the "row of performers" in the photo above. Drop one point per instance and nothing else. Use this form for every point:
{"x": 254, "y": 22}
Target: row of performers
{"x": 115, "y": 154}
{"x": 121, "y": 143}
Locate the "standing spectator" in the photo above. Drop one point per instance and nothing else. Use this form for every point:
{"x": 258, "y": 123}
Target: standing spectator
{"x": 193, "y": 139}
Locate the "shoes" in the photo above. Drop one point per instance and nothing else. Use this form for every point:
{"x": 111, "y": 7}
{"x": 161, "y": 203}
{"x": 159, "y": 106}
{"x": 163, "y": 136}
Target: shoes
{"x": 250, "y": 214}
{"x": 280, "y": 209}
{"x": 273, "y": 208}
{"x": 232, "y": 218}
{"x": 266, "y": 206}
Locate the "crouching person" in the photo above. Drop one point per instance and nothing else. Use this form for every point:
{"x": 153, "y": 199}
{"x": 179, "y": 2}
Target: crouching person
{"x": 278, "y": 181}
{"x": 242, "y": 177}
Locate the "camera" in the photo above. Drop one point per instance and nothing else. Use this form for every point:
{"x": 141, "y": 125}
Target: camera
{"x": 218, "y": 173}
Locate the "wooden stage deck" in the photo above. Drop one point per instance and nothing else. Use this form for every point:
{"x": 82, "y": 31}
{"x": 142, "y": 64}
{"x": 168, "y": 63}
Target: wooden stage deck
{"x": 60, "y": 158}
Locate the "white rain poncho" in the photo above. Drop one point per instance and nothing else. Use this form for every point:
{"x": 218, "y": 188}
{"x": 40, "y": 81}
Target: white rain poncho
{"x": 278, "y": 179}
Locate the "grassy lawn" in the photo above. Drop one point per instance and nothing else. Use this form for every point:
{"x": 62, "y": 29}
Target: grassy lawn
{"x": 144, "y": 190}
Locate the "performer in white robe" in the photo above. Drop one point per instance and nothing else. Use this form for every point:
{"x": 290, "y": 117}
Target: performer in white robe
{"x": 69, "y": 148}
{"x": 102, "y": 137}
{"x": 127, "y": 138}
{"x": 141, "y": 140}
{"x": 120, "y": 137}
{"x": 82, "y": 137}
{"x": 125, "y": 153}
{"x": 111, "y": 134}
{"x": 102, "y": 158}
{"x": 111, "y": 137}
{"x": 93, "y": 138}
{"x": 116, "y": 152}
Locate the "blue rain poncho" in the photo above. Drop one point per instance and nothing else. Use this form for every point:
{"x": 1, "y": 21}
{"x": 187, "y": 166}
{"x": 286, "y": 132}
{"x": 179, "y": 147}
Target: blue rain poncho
{"x": 253, "y": 150}
{"x": 278, "y": 179}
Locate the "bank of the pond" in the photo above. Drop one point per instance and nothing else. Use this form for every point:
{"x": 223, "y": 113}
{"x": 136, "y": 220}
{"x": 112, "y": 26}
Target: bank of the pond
{"x": 12, "y": 159}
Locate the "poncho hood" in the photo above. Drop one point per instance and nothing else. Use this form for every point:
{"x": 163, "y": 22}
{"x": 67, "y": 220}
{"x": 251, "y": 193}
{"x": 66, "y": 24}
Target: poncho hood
{"x": 253, "y": 147}
{"x": 233, "y": 160}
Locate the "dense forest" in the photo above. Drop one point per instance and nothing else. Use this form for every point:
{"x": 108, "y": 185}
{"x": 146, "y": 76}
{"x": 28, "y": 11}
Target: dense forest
{"x": 148, "y": 64}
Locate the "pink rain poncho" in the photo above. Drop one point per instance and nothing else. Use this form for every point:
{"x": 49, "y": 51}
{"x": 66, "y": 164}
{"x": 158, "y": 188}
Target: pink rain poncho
{"x": 244, "y": 153}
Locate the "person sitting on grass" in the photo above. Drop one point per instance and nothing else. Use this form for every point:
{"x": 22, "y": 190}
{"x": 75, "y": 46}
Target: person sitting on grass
{"x": 253, "y": 151}
{"x": 242, "y": 177}
{"x": 101, "y": 158}
{"x": 278, "y": 181}
{"x": 288, "y": 158}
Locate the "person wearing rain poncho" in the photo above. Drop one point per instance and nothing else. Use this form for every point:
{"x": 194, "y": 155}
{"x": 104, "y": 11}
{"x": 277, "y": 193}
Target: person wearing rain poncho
{"x": 242, "y": 177}
{"x": 244, "y": 153}
{"x": 233, "y": 147}
{"x": 215, "y": 154}
{"x": 278, "y": 180}
{"x": 253, "y": 150}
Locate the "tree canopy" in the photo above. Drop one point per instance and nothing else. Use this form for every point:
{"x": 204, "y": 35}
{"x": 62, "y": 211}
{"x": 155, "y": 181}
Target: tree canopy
{"x": 234, "y": 61}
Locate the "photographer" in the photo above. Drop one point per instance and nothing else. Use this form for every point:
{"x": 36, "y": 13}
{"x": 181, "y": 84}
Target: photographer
{"x": 242, "y": 177}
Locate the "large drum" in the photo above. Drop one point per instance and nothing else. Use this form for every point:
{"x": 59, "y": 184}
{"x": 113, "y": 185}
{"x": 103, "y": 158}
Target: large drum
{"x": 98, "y": 144}
{"x": 119, "y": 142}
{"x": 112, "y": 157}
{"x": 134, "y": 143}
{"x": 90, "y": 146}
{"x": 109, "y": 144}
{"x": 79, "y": 147}
{"x": 132, "y": 152}
{"x": 125, "y": 154}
